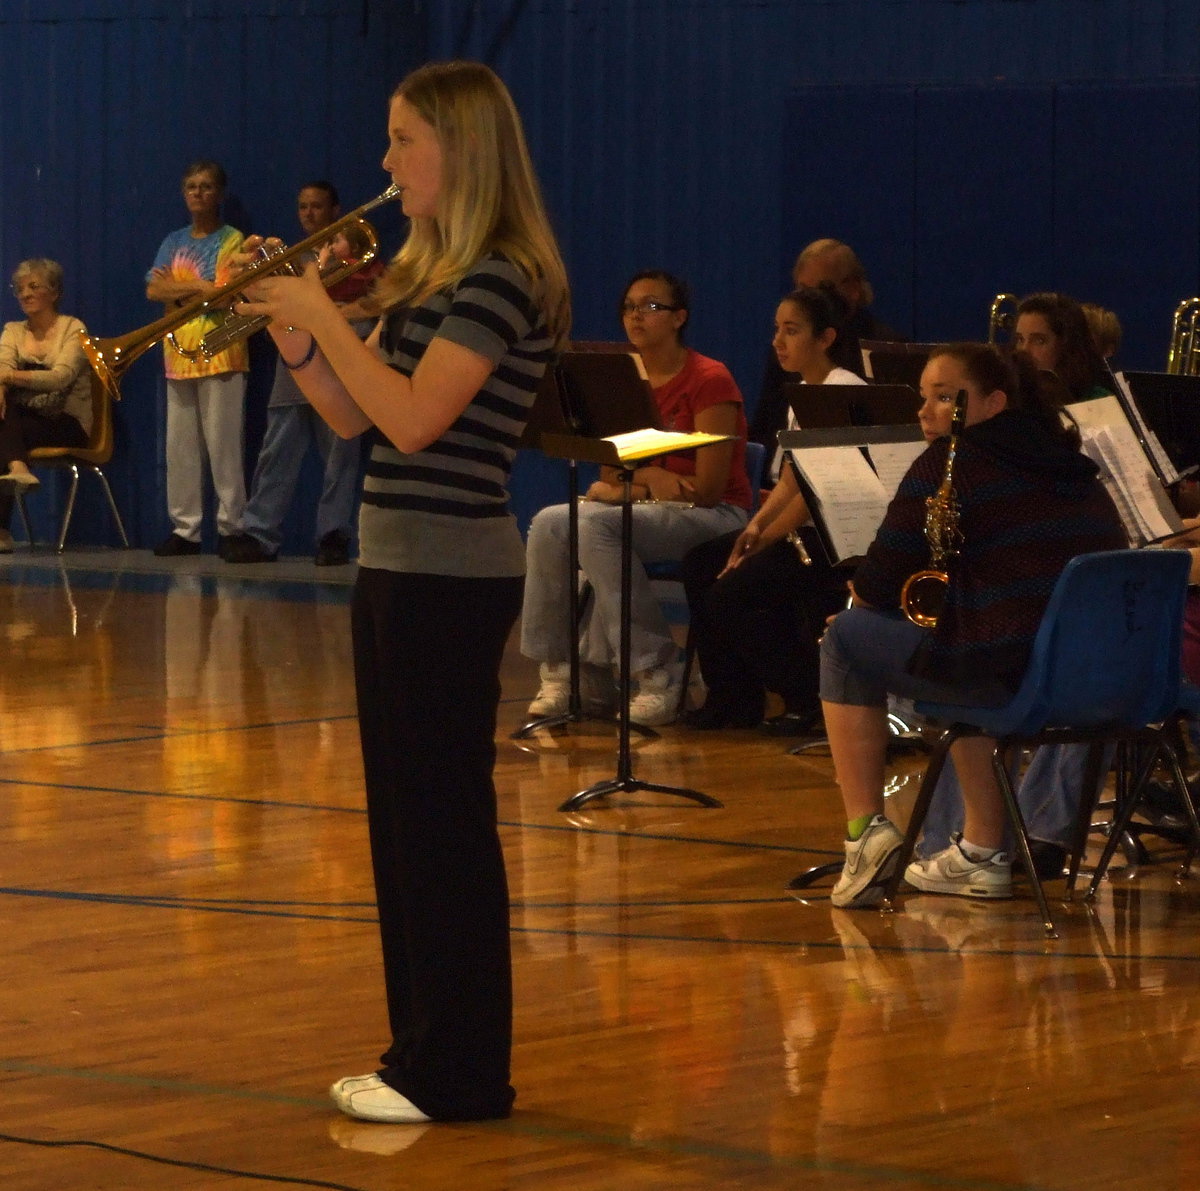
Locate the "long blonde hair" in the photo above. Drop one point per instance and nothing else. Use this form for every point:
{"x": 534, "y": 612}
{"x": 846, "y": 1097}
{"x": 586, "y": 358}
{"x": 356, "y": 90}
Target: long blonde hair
{"x": 490, "y": 199}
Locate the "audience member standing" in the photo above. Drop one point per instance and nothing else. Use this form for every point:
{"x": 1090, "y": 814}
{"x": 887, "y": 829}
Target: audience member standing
{"x": 206, "y": 396}
{"x": 292, "y": 425}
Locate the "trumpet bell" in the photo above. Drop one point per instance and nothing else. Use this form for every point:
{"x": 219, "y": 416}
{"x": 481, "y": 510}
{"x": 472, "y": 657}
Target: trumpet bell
{"x": 110, "y": 358}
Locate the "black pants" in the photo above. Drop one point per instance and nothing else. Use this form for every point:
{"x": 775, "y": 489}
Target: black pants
{"x": 22, "y": 429}
{"x": 427, "y": 652}
{"x": 756, "y": 629}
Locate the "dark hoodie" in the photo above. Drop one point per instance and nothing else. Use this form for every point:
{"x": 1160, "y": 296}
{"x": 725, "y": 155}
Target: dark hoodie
{"x": 1029, "y": 502}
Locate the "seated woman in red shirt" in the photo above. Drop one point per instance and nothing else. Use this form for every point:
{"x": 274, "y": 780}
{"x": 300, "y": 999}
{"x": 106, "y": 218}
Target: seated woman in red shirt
{"x": 683, "y": 500}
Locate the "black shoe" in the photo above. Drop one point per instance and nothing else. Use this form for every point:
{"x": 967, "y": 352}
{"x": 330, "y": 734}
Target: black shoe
{"x": 1161, "y": 804}
{"x": 1049, "y": 859}
{"x": 244, "y": 547}
{"x": 333, "y": 550}
{"x": 713, "y": 716}
{"x": 792, "y": 723}
{"x": 173, "y": 546}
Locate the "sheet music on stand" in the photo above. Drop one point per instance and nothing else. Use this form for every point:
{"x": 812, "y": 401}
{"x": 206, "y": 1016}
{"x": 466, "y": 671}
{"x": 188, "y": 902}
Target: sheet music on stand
{"x": 622, "y": 450}
{"x": 1128, "y": 469}
{"x": 1146, "y": 436}
{"x": 849, "y": 491}
{"x": 1169, "y": 404}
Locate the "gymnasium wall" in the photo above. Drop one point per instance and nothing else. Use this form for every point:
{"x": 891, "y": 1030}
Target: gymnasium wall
{"x": 963, "y": 148}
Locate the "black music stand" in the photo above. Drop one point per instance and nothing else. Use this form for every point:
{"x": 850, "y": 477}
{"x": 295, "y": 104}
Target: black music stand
{"x": 894, "y": 363}
{"x": 828, "y": 406}
{"x": 606, "y": 453}
{"x": 1170, "y": 405}
{"x": 595, "y": 390}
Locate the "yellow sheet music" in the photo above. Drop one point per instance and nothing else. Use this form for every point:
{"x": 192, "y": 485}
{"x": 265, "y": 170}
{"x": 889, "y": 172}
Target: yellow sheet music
{"x": 646, "y": 444}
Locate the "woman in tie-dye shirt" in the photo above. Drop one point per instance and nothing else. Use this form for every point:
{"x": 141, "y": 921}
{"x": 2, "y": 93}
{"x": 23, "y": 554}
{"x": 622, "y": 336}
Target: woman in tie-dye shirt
{"x": 205, "y": 396}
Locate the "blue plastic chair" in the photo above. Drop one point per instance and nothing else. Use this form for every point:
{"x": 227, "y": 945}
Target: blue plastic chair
{"x": 1105, "y": 666}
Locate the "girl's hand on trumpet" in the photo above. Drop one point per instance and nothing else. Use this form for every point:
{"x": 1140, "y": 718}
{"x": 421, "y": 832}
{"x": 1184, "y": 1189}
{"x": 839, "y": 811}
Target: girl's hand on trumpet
{"x": 300, "y": 303}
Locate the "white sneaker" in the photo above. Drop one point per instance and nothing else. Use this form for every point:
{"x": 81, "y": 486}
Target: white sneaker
{"x": 20, "y": 479}
{"x": 554, "y": 694}
{"x": 870, "y": 862}
{"x": 953, "y": 871}
{"x": 597, "y": 690}
{"x": 657, "y": 698}
{"x": 368, "y": 1098}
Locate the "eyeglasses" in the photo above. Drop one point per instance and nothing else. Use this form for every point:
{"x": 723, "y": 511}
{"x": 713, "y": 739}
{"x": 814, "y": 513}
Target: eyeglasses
{"x": 650, "y": 307}
{"x": 29, "y": 287}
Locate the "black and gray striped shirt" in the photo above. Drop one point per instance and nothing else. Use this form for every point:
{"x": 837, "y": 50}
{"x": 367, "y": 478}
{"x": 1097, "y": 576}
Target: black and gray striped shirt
{"x": 444, "y": 510}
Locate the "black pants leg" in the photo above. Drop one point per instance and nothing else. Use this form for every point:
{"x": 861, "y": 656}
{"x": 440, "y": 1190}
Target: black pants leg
{"x": 734, "y": 687}
{"x": 23, "y": 429}
{"x": 427, "y": 661}
{"x": 756, "y": 628}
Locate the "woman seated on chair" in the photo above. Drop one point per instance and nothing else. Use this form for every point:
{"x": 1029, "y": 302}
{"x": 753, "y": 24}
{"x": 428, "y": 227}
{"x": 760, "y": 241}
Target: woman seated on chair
{"x": 45, "y": 383}
{"x": 757, "y": 599}
{"x": 682, "y": 500}
{"x": 1053, "y": 333}
{"x": 1028, "y": 502}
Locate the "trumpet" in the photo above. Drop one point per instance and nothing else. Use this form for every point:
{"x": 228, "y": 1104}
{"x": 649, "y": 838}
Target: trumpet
{"x": 110, "y": 358}
{"x": 1183, "y": 358}
{"x": 1002, "y": 319}
{"x": 924, "y": 593}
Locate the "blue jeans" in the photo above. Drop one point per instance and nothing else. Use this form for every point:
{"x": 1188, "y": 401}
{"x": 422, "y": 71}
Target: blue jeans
{"x": 1048, "y": 795}
{"x": 290, "y": 429}
{"x": 662, "y": 531}
{"x": 864, "y": 658}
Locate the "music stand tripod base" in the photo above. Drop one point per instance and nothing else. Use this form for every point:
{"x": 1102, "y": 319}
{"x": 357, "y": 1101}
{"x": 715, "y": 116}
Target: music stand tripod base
{"x": 630, "y": 785}
{"x": 811, "y": 876}
{"x": 624, "y": 782}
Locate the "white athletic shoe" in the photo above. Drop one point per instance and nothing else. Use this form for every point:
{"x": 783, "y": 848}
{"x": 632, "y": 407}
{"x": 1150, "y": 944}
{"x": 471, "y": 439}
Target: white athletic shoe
{"x": 368, "y": 1098}
{"x": 870, "y": 862}
{"x": 953, "y": 871}
{"x": 597, "y": 690}
{"x": 657, "y": 698}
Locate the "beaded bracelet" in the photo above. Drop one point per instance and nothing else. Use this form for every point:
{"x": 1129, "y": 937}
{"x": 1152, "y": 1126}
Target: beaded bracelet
{"x": 308, "y": 355}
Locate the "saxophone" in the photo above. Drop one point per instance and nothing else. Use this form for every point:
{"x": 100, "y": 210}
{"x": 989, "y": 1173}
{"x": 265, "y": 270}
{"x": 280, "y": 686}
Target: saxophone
{"x": 924, "y": 593}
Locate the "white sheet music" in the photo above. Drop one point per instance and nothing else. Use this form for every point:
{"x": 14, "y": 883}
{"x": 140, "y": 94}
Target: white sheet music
{"x": 1162, "y": 460}
{"x": 1106, "y": 413}
{"x": 1128, "y": 518}
{"x": 892, "y": 460}
{"x": 1111, "y": 442}
{"x": 1133, "y": 484}
{"x": 851, "y": 497}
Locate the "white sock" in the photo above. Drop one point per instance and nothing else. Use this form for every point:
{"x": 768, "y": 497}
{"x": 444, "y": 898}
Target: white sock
{"x": 975, "y": 852}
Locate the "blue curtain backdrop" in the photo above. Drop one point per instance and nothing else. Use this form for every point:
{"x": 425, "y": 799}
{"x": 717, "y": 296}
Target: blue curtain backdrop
{"x": 963, "y": 148}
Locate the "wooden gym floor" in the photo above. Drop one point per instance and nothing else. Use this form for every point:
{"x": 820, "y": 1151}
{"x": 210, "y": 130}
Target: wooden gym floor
{"x": 189, "y": 953}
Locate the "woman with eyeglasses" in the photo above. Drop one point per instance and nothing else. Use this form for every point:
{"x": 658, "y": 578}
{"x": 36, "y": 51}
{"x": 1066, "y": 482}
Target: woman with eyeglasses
{"x": 45, "y": 383}
{"x": 682, "y": 500}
